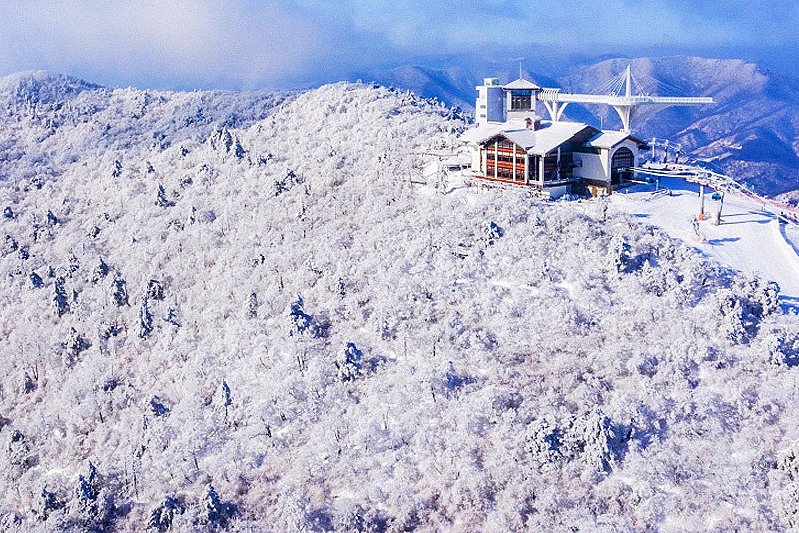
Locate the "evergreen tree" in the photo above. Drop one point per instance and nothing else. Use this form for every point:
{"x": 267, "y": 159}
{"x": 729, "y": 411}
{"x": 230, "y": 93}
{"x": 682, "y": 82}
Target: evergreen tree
{"x": 349, "y": 362}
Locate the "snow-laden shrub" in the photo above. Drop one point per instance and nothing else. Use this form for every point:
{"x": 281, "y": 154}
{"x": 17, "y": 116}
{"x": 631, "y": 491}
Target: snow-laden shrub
{"x": 620, "y": 254}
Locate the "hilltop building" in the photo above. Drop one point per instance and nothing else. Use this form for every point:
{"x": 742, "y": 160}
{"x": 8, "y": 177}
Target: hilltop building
{"x": 513, "y": 144}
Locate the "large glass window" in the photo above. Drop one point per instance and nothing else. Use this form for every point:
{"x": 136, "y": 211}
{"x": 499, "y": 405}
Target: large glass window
{"x": 521, "y": 100}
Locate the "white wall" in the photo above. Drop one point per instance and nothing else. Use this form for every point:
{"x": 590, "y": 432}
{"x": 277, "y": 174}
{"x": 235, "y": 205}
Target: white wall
{"x": 594, "y": 167}
{"x": 490, "y": 105}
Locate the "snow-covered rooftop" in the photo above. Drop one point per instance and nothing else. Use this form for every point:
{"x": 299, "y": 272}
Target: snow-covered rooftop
{"x": 610, "y": 138}
{"x": 521, "y": 84}
{"x": 536, "y": 142}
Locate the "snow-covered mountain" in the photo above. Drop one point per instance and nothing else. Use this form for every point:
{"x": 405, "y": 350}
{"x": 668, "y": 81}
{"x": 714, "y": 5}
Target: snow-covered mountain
{"x": 235, "y": 311}
{"x": 751, "y": 133}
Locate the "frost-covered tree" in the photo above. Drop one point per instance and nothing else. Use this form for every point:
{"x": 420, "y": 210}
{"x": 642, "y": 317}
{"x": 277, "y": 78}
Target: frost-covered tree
{"x": 163, "y": 515}
{"x": 300, "y": 321}
{"x": 60, "y": 304}
{"x": 119, "y": 291}
{"x": 213, "y": 511}
{"x": 75, "y": 345}
{"x": 252, "y": 305}
{"x": 348, "y": 362}
{"x": 145, "y": 322}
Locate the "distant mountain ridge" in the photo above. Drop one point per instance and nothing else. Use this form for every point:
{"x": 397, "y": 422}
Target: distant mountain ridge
{"x": 752, "y": 132}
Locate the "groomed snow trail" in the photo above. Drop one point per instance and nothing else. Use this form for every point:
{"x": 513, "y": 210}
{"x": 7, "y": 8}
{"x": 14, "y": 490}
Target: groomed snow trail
{"x": 749, "y": 239}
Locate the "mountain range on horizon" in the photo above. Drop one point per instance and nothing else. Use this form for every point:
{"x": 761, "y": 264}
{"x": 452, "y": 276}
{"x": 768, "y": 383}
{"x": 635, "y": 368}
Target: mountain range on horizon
{"x": 750, "y": 133}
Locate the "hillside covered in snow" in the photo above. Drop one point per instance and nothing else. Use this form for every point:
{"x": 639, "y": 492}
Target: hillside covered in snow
{"x": 235, "y": 312}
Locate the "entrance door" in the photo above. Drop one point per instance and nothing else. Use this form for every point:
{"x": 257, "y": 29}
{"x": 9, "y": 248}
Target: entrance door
{"x": 621, "y": 165}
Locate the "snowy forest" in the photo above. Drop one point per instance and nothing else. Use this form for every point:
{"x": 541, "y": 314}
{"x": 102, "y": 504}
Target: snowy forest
{"x": 237, "y": 312}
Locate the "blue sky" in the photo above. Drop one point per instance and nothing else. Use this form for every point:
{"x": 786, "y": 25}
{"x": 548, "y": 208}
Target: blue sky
{"x": 268, "y": 44}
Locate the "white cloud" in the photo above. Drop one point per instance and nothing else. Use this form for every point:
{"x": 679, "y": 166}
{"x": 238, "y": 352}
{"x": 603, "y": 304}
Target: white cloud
{"x": 180, "y": 42}
{"x": 268, "y": 43}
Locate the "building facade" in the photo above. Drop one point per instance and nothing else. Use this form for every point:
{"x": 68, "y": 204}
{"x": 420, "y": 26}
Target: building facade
{"x": 512, "y": 144}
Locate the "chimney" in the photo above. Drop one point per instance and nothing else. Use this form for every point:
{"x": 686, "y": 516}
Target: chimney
{"x": 531, "y": 124}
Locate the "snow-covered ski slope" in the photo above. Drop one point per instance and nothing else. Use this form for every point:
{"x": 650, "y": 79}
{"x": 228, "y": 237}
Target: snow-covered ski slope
{"x": 749, "y": 239}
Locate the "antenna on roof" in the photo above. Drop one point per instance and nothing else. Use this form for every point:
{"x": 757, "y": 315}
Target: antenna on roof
{"x": 520, "y": 68}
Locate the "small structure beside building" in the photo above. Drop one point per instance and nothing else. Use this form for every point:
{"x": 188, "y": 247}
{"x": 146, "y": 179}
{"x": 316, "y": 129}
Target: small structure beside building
{"x": 513, "y": 144}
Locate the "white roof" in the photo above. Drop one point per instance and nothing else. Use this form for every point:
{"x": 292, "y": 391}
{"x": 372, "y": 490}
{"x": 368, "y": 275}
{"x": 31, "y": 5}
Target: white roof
{"x": 521, "y": 84}
{"x": 536, "y": 142}
{"x": 553, "y": 134}
{"x": 609, "y": 138}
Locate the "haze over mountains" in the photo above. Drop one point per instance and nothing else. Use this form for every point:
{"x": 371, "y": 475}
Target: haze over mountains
{"x": 752, "y": 132}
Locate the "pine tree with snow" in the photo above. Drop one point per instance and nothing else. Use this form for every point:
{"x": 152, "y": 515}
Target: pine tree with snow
{"x": 119, "y": 291}
{"x": 163, "y": 516}
{"x": 299, "y": 319}
{"x": 492, "y": 232}
{"x": 60, "y": 304}
{"x": 75, "y": 345}
{"x": 545, "y": 442}
{"x": 145, "y": 323}
{"x": 91, "y": 508}
{"x": 597, "y": 436}
{"x": 161, "y": 199}
{"x": 100, "y": 271}
{"x": 18, "y": 450}
{"x": 733, "y": 325}
{"x": 348, "y": 363}
{"x": 10, "y": 246}
{"x": 48, "y": 502}
{"x": 35, "y": 280}
{"x": 213, "y": 511}
{"x": 155, "y": 290}
{"x": 227, "y": 398}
